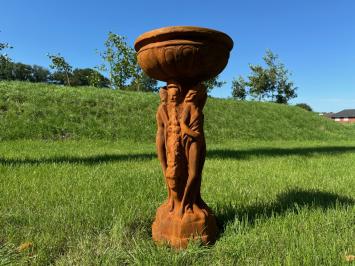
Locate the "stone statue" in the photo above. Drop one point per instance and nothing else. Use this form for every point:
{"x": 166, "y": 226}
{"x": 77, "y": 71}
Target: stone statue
{"x": 183, "y": 57}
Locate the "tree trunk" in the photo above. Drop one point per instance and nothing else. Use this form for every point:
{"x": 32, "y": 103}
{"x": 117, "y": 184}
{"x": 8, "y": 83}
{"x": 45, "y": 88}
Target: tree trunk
{"x": 66, "y": 73}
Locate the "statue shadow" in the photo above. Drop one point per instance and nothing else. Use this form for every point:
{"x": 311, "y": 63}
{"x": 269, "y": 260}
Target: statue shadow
{"x": 290, "y": 201}
{"x": 276, "y": 152}
{"x": 214, "y": 153}
{"x": 89, "y": 160}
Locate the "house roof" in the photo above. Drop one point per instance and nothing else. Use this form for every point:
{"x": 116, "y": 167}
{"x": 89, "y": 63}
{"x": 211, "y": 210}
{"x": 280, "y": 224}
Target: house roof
{"x": 344, "y": 113}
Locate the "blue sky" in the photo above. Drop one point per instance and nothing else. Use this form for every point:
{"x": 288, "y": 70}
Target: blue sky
{"x": 315, "y": 39}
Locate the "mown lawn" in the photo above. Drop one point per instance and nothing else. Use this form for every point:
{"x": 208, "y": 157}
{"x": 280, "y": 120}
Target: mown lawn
{"x": 92, "y": 202}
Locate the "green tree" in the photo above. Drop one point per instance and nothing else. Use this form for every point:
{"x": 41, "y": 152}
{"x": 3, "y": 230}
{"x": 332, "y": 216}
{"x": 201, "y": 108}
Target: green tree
{"x": 239, "y": 89}
{"x": 81, "y": 77}
{"x": 285, "y": 88}
{"x": 5, "y": 62}
{"x": 21, "y": 72}
{"x": 60, "y": 65}
{"x": 213, "y": 83}
{"x": 305, "y": 106}
{"x": 39, "y": 74}
{"x": 96, "y": 79}
{"x": 58, "y": 77}
{"x": 266, "y": 83}
{"x": 3, "y": 47}
{"x": 88, "y": 77}
{"x": 5, "y": 69}
{"x": 120, "y": 61}
{"x": 143, "y": 83}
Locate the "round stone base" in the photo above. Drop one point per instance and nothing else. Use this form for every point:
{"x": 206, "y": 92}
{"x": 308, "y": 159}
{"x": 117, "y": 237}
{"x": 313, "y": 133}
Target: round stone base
{"x": 176, "y": 231}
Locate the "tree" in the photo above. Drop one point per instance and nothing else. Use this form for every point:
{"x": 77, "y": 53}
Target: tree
{"x": 305, "y": 106}
{"x": 120, "y": 61}
{"x": 5, "y": 62}
{"x": 4, "y": 46}
{"x": 239, "y": 89}
{"x": 5, "y": 68}
{"x": 96, "y": 79}
{"x": 266, "y": 83}
{"x": 21, "y": 72}
{"x": 285, "y": 89}
{"x": 40, "y": 74}
{"x": 81, "y": 77}
{"x": 88, "y": 77}
{"x": 143, "y": 83}
{"x": 59, "y": 63}
{"x": 213, "y": 83}
{"x": 58, "y": 77}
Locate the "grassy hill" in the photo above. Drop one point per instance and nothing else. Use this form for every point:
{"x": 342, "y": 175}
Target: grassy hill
{"x": 41, "y": 111}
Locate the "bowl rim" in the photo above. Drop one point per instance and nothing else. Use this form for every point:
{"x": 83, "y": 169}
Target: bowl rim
{"x": 182, "y": 33}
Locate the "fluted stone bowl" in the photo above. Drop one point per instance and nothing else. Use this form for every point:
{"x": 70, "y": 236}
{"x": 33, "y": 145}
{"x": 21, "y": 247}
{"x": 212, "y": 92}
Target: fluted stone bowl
{"x": 183, "y": 53}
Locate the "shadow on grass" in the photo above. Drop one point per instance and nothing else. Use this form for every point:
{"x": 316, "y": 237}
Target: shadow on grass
{"x": 276, "y": 152}
{"x": 289, "y": 201}
{"x": 217, "y": 153}
{"x": 90, "y": 160}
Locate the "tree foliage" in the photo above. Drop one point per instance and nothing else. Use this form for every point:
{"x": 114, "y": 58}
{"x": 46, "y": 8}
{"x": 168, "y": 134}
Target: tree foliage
{"x": 213, "y": 83}
{"x": 120, "y": 61}
{"x": 60, "y": 65}
{"x": 266, "y": 83}
{"x": 40, "y": 74}
{"x": 305, "y": 106}
{"x": 81, "y": 77}
{"x": 89, "y": 77}
{"x": 18, "y": 71}
{"x": 5, "y": 61}
{"x": 239, "y": 89}
{"x": 143, "y": 83}
{"x": 4, "y": 46}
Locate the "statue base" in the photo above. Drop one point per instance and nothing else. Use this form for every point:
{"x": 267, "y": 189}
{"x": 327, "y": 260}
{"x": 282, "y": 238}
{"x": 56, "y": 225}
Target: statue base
{"x": 198, "y": 224}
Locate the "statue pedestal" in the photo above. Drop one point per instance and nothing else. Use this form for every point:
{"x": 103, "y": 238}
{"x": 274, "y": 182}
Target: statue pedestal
{"x": 198, "y": 225}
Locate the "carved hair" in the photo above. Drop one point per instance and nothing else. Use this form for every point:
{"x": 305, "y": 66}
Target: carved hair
{"x": 174, "y": 87}
{"x": 191, "y": 95}
{"x": 197, "y": 94}
{"x": 163, "y": 93}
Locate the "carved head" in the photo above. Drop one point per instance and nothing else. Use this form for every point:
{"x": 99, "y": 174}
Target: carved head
{"x": 163, "y": 93}
{"x": 173, "y": 93}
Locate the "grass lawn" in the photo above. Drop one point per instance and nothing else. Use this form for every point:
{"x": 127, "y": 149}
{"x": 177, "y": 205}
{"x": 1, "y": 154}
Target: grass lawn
{"x": 90, "y": 202}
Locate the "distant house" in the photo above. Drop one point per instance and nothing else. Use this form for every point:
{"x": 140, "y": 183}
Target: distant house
{"x": 345, "y": 116}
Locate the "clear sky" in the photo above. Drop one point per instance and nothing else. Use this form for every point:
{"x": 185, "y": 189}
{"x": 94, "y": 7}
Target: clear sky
{"x": 315, "y": 39}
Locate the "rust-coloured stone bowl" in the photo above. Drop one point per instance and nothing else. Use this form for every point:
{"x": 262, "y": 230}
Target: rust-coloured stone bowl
{"x": 183, "y": 53}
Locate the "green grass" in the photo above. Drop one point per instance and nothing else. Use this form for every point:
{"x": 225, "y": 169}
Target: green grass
{"x": 42, "y": 111}
{"x": 92, "y": 202}
{"x": 80, "y": 182}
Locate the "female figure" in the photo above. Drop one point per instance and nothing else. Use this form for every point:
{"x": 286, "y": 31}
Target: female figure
{"x": 174, "y": 152}
{"x": 193, "y": 139}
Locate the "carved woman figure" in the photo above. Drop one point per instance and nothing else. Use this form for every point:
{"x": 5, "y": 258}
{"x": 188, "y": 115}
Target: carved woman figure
{"x": 173, "y": 146}
{"x": 162, "y": 125}
{"x": 191, "y": 124}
